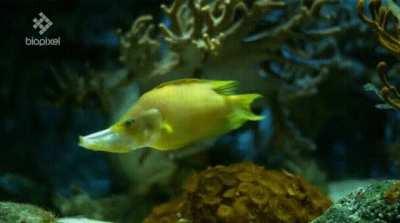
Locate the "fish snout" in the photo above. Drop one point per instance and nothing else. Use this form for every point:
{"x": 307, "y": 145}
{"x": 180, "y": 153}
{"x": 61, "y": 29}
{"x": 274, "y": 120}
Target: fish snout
{"x": 106, "y": 140}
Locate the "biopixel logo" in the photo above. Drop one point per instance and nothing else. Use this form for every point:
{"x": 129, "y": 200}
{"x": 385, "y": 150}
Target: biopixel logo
{"x": 42, "y": 24}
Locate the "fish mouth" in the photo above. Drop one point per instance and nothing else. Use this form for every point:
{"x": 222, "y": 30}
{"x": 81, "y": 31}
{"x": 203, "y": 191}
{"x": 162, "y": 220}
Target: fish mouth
{"x": 106, "y": 140}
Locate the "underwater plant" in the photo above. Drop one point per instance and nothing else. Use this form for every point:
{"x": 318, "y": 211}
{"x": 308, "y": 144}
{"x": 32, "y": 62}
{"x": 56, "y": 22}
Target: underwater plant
{"x": 243, "y": 192}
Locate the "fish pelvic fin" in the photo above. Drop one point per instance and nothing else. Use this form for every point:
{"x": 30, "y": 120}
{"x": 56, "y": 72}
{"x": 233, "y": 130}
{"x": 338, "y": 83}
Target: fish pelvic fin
{"x": 242, "y": 110}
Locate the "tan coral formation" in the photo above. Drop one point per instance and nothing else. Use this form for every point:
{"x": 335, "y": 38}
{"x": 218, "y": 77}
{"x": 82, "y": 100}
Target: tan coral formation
{"x": 210, "y": 39}
{"x": 243, "y": 193}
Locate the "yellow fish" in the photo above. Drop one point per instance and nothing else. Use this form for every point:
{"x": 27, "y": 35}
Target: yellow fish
{"x": 176, "y": 114}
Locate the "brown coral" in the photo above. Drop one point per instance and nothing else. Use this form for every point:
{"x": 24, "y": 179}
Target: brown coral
{"x": 243, "y": 193}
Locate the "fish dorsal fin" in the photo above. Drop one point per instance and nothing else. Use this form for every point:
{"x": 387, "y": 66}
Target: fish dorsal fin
{"x": 224, "y": 87}
{"x": 179, "y": 82}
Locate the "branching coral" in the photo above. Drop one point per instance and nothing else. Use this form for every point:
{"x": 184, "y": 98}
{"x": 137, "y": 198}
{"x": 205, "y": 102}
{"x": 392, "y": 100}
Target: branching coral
{"x": 243, "y": 193}
{"x": 379, "y": 21}
{"x": 388, "y": 92}
{"x": 206, "y": 26}
{"x": 145, "y": 54}
{"x": 218, "y": 39}
{"x": 389, "y": 37}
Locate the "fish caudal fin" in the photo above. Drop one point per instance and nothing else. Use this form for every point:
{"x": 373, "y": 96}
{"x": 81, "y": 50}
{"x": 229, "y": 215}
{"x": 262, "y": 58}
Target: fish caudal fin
{"x": 242, "y": 110}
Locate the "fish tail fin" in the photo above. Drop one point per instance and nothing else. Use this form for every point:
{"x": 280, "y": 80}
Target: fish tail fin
{"x": 242, "y": 109}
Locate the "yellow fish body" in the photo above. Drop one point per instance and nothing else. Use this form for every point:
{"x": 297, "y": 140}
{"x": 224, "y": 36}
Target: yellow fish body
{"x": 176, "y": 114}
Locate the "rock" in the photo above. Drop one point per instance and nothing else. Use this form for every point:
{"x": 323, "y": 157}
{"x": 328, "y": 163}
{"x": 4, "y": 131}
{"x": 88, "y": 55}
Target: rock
{"x": 79, "y": 220}
{"x": 376, "y": 203}
{"x": 24, "y": 213}
{"x": 339, "y": 189}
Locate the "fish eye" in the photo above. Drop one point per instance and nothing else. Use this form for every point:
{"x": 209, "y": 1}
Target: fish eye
{"x": 128, "y": 123}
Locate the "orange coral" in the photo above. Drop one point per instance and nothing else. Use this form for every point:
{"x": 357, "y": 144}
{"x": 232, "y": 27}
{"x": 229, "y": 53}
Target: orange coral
{"x": 244, "y": 193}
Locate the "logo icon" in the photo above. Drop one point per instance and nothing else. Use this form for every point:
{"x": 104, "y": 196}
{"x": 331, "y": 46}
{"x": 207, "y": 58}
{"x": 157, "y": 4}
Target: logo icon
{"x": 43, "y": 23}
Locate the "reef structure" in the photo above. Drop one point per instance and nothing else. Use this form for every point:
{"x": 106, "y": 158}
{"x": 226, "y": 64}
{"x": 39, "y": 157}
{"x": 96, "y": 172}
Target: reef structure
{"x": 243, "y": 193}
{"x": 375, "y": 203}
{"x": 11, "y": 212}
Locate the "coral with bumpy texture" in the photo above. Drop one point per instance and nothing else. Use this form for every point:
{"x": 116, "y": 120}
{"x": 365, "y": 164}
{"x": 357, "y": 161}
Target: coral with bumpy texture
{"x": 24, "y": 213}
{"x": 243, "y": 193}
{"x": 375, "y": 203}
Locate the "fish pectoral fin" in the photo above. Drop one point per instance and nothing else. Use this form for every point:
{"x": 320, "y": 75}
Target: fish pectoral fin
{"x": 167, "y": 127}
